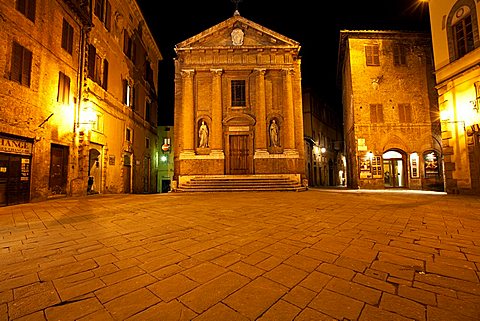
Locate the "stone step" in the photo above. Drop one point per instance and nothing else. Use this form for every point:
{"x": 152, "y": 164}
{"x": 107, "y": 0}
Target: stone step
{"x": 240, "y": 184}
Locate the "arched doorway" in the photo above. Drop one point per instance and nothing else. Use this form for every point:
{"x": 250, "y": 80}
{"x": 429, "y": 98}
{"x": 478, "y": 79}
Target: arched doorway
{"x": 393, "y": 169}
{"x": 94, "y": 172}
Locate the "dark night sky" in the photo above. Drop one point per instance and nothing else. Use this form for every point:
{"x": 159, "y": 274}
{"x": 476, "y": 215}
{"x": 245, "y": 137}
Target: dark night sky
{"x": 316, "y": 29}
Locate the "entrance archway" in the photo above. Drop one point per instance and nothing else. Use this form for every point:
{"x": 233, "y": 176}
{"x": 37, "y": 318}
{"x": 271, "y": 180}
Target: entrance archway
{"x": 393, "y": 169}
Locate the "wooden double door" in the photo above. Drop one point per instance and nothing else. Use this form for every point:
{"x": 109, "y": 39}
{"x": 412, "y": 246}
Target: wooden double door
{"x": 239, "y": 158}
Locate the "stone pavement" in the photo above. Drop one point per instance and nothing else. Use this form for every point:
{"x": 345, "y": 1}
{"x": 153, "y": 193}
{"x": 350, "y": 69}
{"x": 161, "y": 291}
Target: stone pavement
{"x": 313, "y": 255}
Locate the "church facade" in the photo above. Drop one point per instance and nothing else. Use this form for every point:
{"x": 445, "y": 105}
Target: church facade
{"x": 238, "y": 103}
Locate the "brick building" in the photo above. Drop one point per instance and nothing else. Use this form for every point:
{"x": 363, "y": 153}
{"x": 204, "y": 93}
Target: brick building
{"x": 78, "y": 103}
{"x": 391, "y": 121}
{"x": 242, "y": 83}
{"x": 456, "y": 49}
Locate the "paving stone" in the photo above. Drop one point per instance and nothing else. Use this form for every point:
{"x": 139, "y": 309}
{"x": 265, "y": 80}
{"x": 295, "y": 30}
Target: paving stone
{"x": 402, "y": 306}
{"x": 351, "y": 264}
{"x": 302, "y": 262}
{"x": 99, "y": 315}
{"x": 32, "y": 303}
{"x": 247, "y": 270}
{"x": 335, "y": 270}
{"x": 255, "y": 297}
{"x": 437, "y": 314}
{"x": 172, "y": 287}
{"x": 468, "y": 309}
{"x": 204, "y": 272}
{"x": 309, "y": 314}
{"x": 452, "y": 283}
{"x": 286, "y": 275}
{"x": 127, "y": 305}
{"x": 163, "y": 311}
{"x": 374, "y": 283}
{"x": 12, "y": 283}
{"x": 399, "y": 271}
{"x": 207, "y": 295}
{"x": 36, "y": 316}
{"x": 299, "y": 296}
{"x": 73, "y": 310}
{"x": 466, "y": 274}
{"x": 316, "y": 281}
{"x": 220, "y": 312}
{"x": 354, "y": 290}
{"x": 269, "y": 263}
{"x": 337, "y": 305}
{"x": 371, "y": 313}
{"x": 319, "y": 255}
{"x": 280, "y": 311}
{"x": 113, "y": 291}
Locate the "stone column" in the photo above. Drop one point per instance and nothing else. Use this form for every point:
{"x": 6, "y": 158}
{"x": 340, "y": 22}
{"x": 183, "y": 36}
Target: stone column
{"x": 188, "y": 118}
{"x": 289, "y": 121}
{"x": 216, "y": 132}
{"x": 260, "y": 127}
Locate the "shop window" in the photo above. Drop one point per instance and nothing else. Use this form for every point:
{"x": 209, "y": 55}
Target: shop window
{"x": 377, "y": 166}
{"x": 238, "y": 93}
{"x": 431, "y": 163}
{"x": 21, "y": 64}
{"x": 372, "y": 55}
{"x": 27, "y": 8}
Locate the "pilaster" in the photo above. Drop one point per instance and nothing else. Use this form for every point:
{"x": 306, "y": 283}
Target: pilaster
{"x": 217, "y": 111}
{"x": 261, "y": 126}
{"x": 187, "y": 109}
{"x": 289, "y": 123}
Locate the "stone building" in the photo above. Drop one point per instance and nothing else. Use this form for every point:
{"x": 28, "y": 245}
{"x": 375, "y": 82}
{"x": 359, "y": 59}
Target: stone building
{"x": 324, "y": 155}
{"x": 456, "y": 49}
{"x": 239, "y": 85}
{"x": 391, "y": 121}
{"x": 78, "y": 103}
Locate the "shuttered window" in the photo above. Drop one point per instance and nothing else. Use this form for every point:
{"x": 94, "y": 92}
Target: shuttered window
{"x": 376, "y": 113}
{"x": 21, "y": 64}
{"x": 67, "y": 37}
{"x": 405, "y": 113}
{"x": 399, "y": 55}
{"x": 27, "y": 8}
{"x": 63, "y": 95}
{"x": 372, "y": 55}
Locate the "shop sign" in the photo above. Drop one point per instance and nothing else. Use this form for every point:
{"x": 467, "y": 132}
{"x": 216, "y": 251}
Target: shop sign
{"x": 15, "y": 146}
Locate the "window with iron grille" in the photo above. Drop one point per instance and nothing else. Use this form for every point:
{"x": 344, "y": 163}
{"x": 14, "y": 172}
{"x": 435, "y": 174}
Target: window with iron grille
{"x": 376, "y": 113}
{"x": 21, "y": 64}
{"x": 67, "y": 37}
{"x": 463, "y": 36}
{"x": 399, "y": 55}
{"x": 27, "y": 8}
{"x": 63, "y": 95}
{"x": 405, "y": 113}
{"x": 238, "y": 93}
{"x": 372, "y": 55}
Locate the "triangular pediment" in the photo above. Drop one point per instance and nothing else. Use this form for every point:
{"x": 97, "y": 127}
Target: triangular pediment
{"x": 237, "y": 32}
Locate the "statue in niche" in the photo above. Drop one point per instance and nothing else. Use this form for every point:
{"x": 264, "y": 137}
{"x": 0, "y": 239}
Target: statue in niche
{"x": 203, "y": 135}
{"x": 274, "y": 130}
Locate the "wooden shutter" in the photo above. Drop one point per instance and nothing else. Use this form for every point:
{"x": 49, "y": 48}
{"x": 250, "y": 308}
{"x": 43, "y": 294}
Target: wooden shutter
{"x": 108, "y": 16}
{"x": 92, "y": 53}
{"x": 105, "y": 74}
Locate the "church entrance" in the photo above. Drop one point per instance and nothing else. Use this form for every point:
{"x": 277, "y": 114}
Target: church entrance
{"x": 239, "y": 158}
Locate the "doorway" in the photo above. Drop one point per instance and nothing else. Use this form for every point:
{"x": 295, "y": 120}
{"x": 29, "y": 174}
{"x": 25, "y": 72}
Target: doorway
{"x": 393, "y": 169}
{"x": 58, "y": 169}
{"x": 14, "y": 179}
{"x": 239, "y": 155}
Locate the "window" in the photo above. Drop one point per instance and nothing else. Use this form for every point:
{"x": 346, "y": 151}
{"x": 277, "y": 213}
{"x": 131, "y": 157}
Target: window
{"x": 399, "y": 55}
{"x": 372, "y": 55}
{"x": 405, "y": 113}
{"x": 376, "y": 113}
{"x": 27, "y": 7}
{"x": 128, "y": 135}
{"x": 67, "y": 37}
{"x": 21, "y": 64}
{"x": 463, "y": 36}
{"x": 98, "y": 10}
{"x": 148, "y": 110}
{"x": 147, "y": 142}
{"x": 238, "y": 93}
{"x": 377, "y": 166}
{"x": 127, "y": 44}
{"x": 127, "y": 93}
{"x": 63, "y": 95}
{"x": 97, "y": 67}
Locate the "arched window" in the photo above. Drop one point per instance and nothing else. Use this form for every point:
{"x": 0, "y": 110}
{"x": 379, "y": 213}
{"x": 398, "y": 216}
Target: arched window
{"x": 462, "y": 29}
